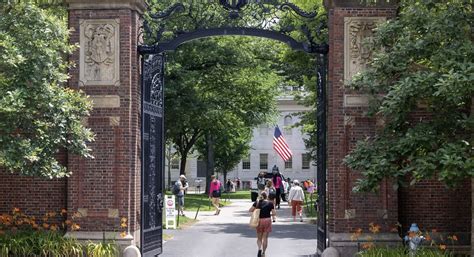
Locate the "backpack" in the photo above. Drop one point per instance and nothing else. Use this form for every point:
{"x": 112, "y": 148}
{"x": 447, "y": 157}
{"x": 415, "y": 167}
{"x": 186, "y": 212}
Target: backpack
{"x": 272, "y": 193}
{"x": 261, "y": 183}
{"x": 175, "y": 188}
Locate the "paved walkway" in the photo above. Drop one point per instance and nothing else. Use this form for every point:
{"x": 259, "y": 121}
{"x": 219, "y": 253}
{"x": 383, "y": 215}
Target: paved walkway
{"x": 228, "y": 235}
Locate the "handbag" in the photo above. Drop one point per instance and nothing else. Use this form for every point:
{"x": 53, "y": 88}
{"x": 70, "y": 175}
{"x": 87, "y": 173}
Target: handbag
{"x": 255, "y": 218}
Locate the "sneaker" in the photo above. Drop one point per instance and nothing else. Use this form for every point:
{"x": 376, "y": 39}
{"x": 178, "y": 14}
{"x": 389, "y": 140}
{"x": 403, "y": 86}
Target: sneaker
{"x": 218, "y": 211}
{"x": 259, "y": 254}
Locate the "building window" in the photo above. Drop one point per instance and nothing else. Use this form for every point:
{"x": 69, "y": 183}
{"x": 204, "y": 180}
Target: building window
{"x": 263, "y": 130}
{"x": 305, "y": 161}
{"x": 289, "y": 164}
{"x": 246, "y": 163}
{"x": 263, "y": 161}
{"x": 175, "y": 164}
{"x": 288, "y": 122}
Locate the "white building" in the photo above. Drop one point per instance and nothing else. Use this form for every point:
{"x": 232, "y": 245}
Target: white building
{"x": 262, "y": 155}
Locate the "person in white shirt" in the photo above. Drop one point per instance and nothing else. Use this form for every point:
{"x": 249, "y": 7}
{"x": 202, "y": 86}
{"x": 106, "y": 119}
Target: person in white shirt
{"x": 295, "y": 200}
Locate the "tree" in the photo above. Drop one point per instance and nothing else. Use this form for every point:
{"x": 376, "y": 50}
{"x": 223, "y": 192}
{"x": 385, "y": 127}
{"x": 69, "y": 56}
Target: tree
{"x": 423, "y": 62}
{"x": 231, "y": 141}
{"x": 201, "y": 73}
{"x": 298, "y": 70}
{"x": 38, "y": 115}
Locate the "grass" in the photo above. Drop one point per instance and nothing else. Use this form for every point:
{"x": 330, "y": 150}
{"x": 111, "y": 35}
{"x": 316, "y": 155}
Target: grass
{"x": 401, "y": 251}
{"x": 309, "y": 206}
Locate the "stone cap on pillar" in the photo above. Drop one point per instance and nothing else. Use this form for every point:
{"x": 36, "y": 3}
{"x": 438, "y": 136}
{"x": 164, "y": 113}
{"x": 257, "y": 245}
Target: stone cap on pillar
{"x": 137, "y": 5}
{"x": 330, "y": 4}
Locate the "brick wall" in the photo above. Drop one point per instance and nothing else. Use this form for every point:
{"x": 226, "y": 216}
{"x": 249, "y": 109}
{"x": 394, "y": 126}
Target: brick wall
{"x": 34, "y": 196}
{"x": 429, "y": 203}
{"x": 433, "y": 206}
{"x": 346, "y": 125}
{"x": 108, "y": 186}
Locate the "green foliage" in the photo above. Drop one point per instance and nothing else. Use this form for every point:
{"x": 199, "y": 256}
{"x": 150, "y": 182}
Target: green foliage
{"x": 401, "y": 251}
{"x": 424, "y": 62}
{"x": 38, "y": 116}
{"x": 38, "y": 243}
{"x": 102, "y": 249}
{"x": 298, "y": 70}
{"x": 215, "y": 84}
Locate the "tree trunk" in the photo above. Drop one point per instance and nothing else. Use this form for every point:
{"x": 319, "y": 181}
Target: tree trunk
{"x": 169, "y": 166}
{"x": 224, "y": 173}
{"x": 182, "y": 165}
{"x": 209, "y": 160}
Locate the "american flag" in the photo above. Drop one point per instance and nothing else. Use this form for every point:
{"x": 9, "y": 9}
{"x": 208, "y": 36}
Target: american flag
{"x": 280, "y": 145}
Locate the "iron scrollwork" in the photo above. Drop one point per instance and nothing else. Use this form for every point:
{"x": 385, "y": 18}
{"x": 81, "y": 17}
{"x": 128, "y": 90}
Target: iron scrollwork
{"x": 190, "y": 16}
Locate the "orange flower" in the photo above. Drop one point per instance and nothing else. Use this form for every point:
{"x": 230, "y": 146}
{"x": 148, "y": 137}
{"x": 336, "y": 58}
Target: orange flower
{"x": 45, "y": 225}
{"x": 428, "y": 237}
{"x": 123, "y": 234}
{"x": 442, "y": 247}
{"x": 356, "y": 234}
{"x": 367, "y": 245}
{"x": 68, "y": 222}
{"x": 53, "y": 227}
{"x": 16, "y": 210}
{"x": 75, "y": 226}
{"x": 455, "y": 238}
{"x": 35, "y": 226}
{"x": 374, "y": 228}
{"x": 63, "y": 211}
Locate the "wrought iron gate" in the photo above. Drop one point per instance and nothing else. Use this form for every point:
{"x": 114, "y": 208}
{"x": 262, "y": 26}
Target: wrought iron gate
{"x": 152, "y": 138}
{"x": 321, "y": 152}
{"x": 264, "y": 15}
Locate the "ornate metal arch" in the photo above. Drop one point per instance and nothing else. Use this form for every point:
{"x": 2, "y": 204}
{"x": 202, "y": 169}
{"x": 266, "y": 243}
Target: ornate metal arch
{"x": 183, "y": 21}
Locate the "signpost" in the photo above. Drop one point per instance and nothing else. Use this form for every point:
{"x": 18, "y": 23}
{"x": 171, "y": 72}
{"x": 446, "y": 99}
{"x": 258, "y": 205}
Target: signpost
{"x": 170, "y": 212}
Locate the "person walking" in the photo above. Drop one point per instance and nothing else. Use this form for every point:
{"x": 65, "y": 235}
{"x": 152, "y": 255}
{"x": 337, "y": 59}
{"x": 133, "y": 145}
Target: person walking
{"x": 278, "y": 184}
{"x": 267, "y": 210}
{"x": 295, "y": 200}
{"x": 261, "y": 182}
{"x": 182, "y": 184}
{"x": 271, "y": 191}
{"x": 215, "y": 193}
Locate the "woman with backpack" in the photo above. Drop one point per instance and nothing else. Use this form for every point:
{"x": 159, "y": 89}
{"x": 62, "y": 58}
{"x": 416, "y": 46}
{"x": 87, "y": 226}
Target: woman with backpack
{"x": 215, "y": 193}
{"x": 271, "y": 191}
{"x": 267, "y": 210}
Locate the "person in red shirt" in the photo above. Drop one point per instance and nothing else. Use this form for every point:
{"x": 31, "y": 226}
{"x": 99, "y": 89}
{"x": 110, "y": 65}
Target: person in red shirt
{"x": 215, "y": 193}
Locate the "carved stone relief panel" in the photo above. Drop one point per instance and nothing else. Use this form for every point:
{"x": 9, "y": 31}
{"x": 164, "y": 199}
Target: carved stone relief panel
{"x": 99, "y": 52}
{"x": 358, "y": 32}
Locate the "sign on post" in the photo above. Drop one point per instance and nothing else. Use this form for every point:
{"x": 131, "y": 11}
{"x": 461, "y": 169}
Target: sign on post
{"x": 170, "y": 212}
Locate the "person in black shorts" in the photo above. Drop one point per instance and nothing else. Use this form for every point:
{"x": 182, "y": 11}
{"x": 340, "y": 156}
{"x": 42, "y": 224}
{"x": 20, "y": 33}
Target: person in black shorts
{"x": 267, "y": 210}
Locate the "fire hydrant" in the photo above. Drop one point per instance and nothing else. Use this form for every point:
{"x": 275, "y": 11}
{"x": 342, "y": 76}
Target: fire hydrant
{"x": 414, "y": 239}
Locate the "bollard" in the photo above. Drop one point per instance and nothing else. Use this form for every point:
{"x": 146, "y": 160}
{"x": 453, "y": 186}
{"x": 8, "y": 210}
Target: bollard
{"x": 131, "y": 251}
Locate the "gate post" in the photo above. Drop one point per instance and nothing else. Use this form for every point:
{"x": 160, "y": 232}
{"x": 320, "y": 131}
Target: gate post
{"x": 103, "y": 190}
{"x": 349, "y": 23}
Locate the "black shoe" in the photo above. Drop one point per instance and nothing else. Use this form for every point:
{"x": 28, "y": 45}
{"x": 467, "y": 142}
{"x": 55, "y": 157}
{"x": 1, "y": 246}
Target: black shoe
{"x": 278, "y": 206}
{"x": 259, "y": 254}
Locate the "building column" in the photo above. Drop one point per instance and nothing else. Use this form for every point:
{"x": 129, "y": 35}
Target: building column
{"x": 349, "y": 24}
{"x": 105, "y": 189}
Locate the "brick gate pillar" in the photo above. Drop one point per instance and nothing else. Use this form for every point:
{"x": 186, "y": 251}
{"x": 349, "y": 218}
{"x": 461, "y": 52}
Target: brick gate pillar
{"x": 349, "y": 23}
{"x": 105, "y": 189}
